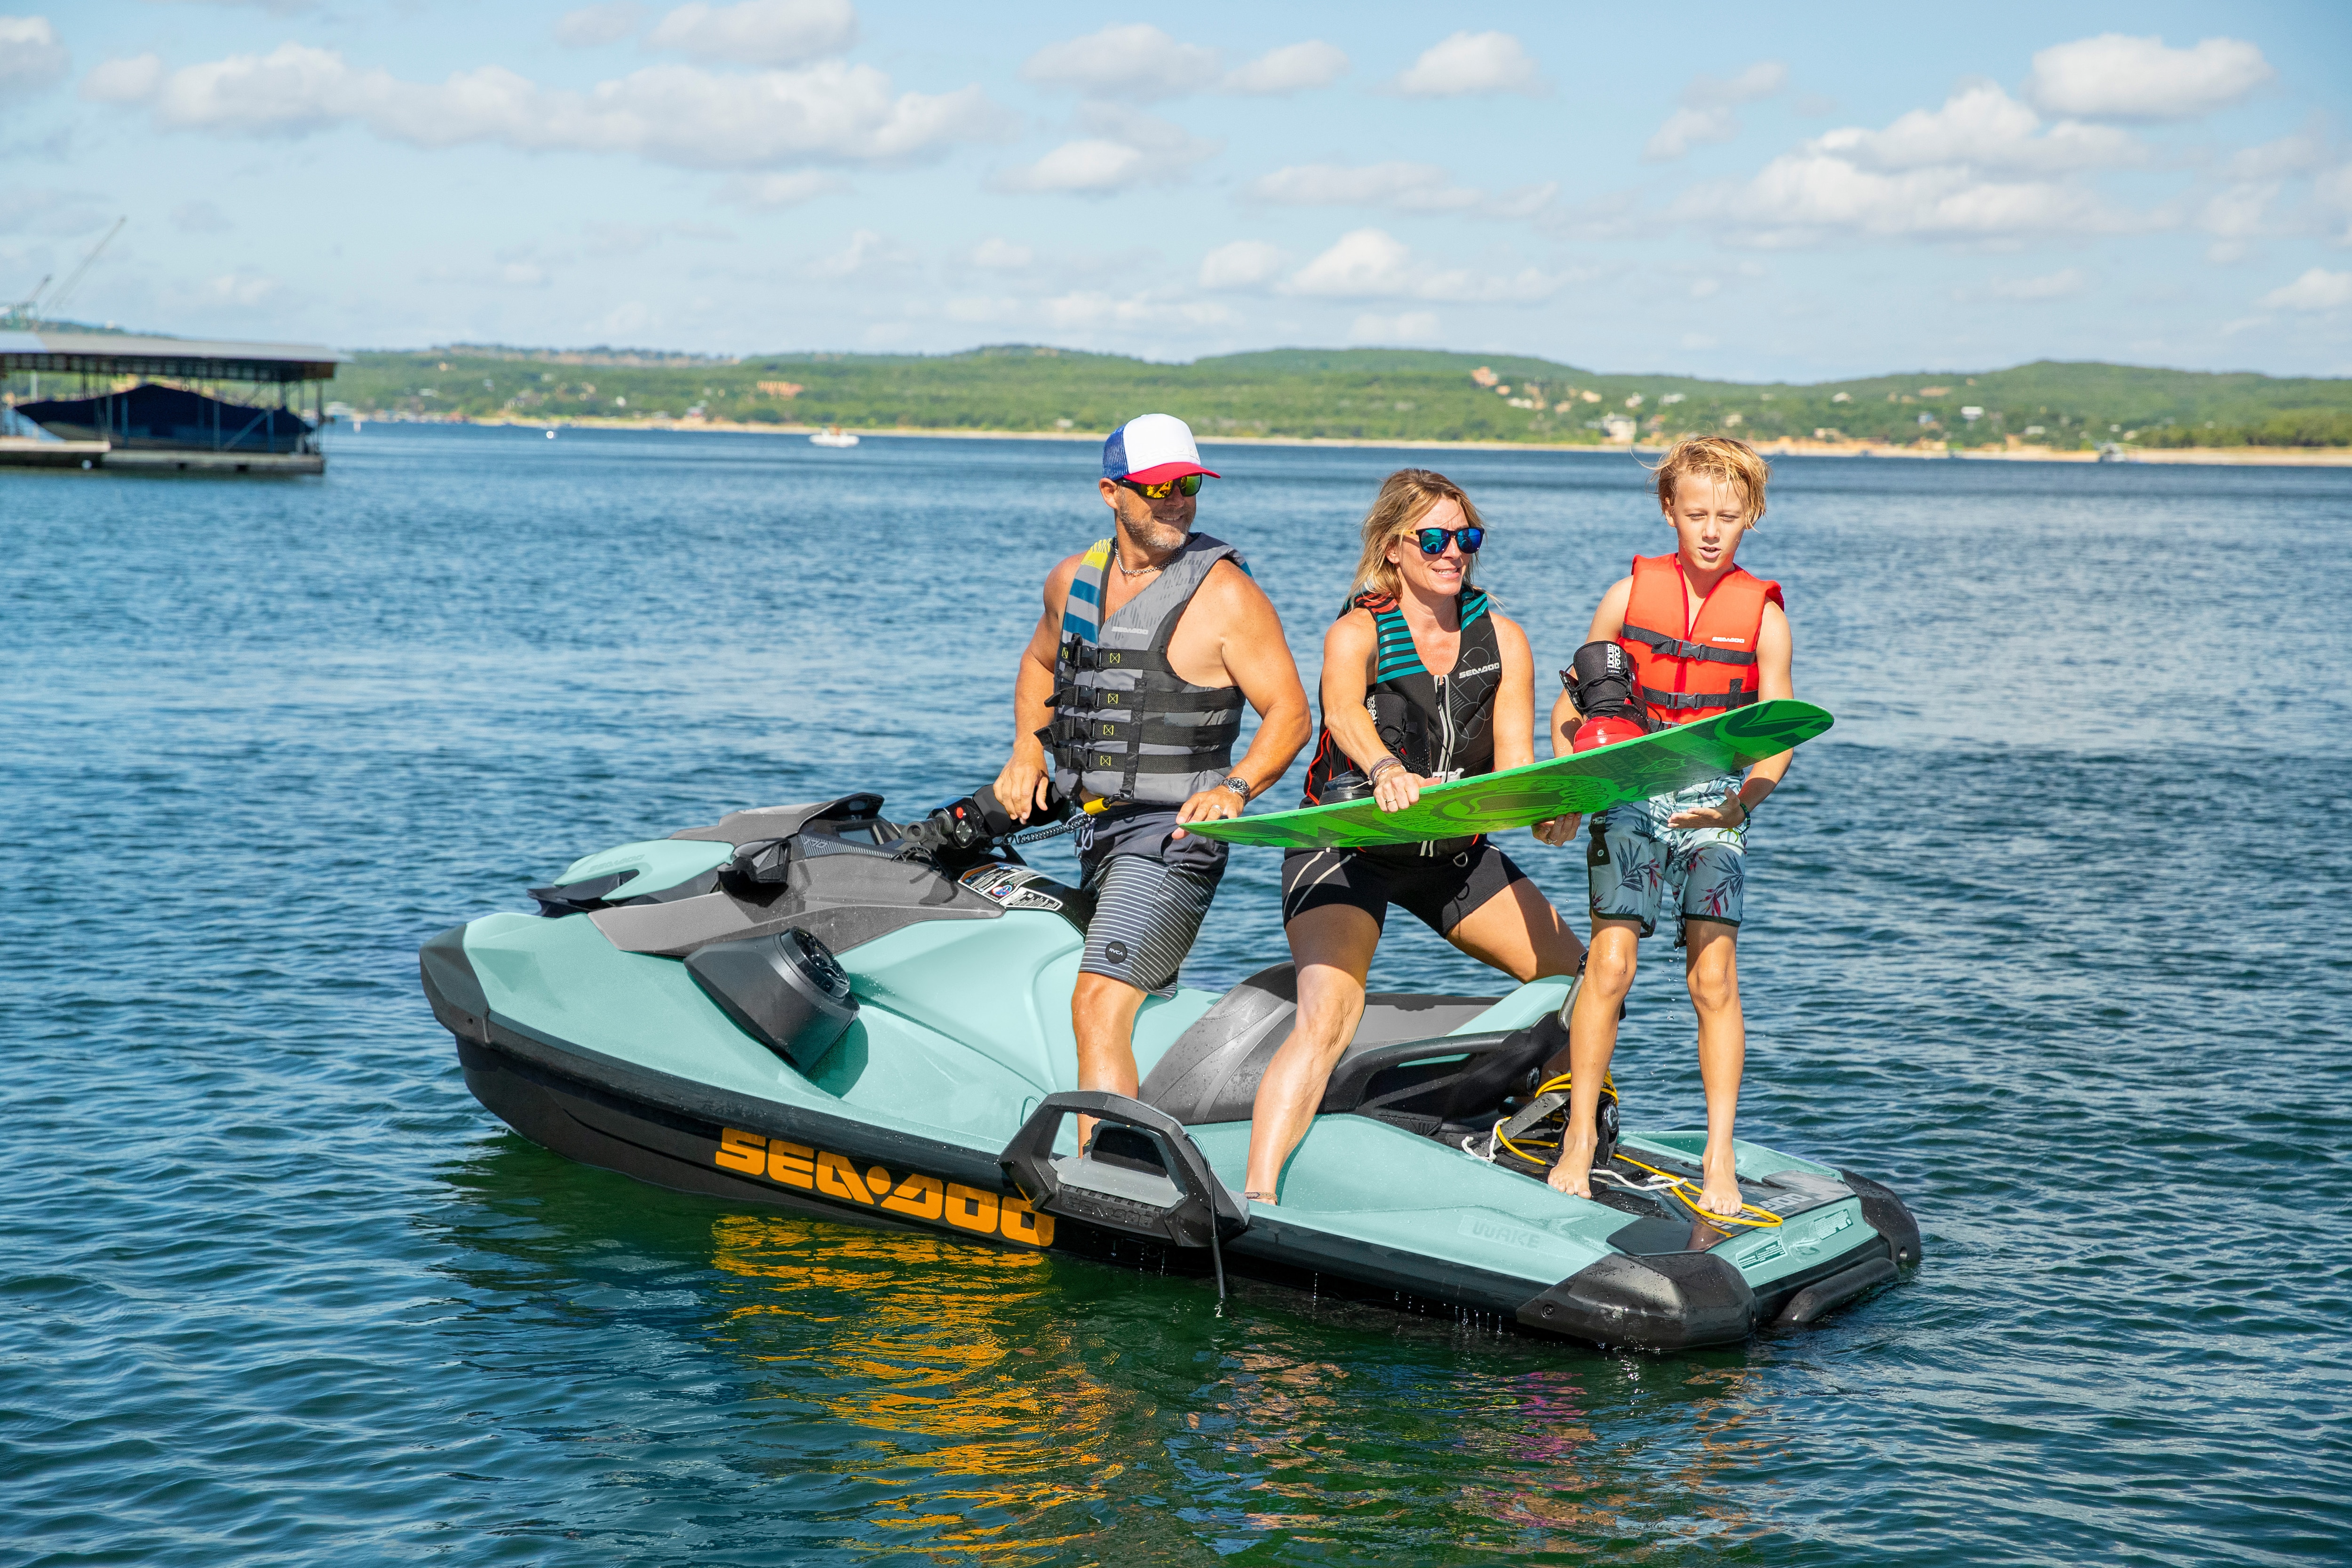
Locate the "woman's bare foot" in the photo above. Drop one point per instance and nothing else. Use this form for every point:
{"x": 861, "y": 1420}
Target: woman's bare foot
{"x": 1720, "y": 1193}
{"x": 1572, "y": 1172}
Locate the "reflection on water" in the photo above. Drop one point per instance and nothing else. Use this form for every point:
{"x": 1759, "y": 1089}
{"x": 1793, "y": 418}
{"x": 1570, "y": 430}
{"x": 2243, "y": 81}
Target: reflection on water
{"x": 904, "y": 1393}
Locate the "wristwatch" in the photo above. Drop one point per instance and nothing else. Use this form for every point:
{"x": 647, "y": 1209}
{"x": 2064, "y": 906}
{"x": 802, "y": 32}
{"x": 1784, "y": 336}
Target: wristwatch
{"x": 1238, "y": 784}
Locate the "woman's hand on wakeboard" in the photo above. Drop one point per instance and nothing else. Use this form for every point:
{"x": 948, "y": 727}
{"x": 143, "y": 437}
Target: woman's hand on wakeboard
{"x": 1397, "y": 787}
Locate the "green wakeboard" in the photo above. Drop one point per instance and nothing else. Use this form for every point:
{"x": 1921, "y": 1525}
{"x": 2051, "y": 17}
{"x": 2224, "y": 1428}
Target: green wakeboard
{"x": 1583, "y": 783}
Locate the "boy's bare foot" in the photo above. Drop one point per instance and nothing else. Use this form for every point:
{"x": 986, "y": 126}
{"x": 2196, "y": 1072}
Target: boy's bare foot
{"x": 1720, "y": 1193}
{"x": 1572, "y": 1172}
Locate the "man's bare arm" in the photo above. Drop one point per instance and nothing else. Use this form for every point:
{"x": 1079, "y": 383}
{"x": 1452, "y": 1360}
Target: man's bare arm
{"x": 1257, "y": 660}
{"x": 1020, "y": 787}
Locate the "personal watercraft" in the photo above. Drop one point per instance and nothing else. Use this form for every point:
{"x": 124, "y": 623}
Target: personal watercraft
{"x": 816, "y": 1007}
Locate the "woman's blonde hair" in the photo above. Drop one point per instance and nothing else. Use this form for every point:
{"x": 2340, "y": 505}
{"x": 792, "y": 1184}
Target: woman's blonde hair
{"x": 1405, "y": 497}
{"x": 1723, "y": 458}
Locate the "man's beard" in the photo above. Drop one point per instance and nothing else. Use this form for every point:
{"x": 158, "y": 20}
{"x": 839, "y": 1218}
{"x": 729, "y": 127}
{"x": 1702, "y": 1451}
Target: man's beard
{"x": 1155, "y": 535}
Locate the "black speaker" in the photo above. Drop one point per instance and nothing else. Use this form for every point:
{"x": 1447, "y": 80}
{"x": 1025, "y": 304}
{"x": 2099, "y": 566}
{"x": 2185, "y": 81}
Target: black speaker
{"x": 786, "y": 991}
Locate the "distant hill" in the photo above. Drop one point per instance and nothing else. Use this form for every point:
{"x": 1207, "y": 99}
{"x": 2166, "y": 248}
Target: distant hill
{"x": 1409, "y": 394}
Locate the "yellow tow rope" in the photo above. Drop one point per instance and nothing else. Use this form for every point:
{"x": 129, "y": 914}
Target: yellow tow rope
{"x": 1681, "y": 1187}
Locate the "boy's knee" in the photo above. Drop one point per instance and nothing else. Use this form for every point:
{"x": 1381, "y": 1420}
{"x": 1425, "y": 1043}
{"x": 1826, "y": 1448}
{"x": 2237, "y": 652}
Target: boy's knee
{"x": 1714, "y": 986}
{"x": 1609, "y": 968}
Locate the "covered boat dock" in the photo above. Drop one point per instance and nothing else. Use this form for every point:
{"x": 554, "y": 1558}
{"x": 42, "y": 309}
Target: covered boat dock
{"x": 90, "y": 400}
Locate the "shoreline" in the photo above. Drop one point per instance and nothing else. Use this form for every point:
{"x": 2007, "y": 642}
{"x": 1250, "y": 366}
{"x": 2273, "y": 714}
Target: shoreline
{"x": 2224, "y": 456}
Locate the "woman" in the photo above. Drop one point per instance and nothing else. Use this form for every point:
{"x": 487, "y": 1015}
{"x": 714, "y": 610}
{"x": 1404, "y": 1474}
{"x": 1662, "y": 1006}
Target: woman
{"x": 1423, "y": 681}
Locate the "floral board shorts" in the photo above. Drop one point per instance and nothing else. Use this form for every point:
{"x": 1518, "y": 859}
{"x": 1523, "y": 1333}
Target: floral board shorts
{"x": 1636, "y": 864}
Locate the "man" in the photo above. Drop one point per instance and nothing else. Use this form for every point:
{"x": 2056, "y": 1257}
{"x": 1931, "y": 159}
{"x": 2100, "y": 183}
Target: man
{"x": 1686, "y": 637}
{"x": 1128, "y": 702}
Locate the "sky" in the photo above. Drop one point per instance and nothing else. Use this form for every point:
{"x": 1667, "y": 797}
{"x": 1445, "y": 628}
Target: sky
{"x": 1759, "y": 193}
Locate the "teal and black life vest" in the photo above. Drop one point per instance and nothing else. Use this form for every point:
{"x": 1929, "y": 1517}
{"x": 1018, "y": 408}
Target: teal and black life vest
{"x": 1126, "y": 726}
{"x": 1437, "y": 725}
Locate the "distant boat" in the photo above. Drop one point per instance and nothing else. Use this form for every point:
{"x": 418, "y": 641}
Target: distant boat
{"x": 833, "y": 436}
{"x": 2113, "y": 452}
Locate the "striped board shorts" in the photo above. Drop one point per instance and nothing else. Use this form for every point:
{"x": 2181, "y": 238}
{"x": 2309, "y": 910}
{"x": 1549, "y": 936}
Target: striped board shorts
{"x": 1146, "y": 915}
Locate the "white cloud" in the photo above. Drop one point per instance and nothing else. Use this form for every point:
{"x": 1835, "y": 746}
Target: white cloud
{"x": 676, "y": 114}
{"x": 523, "y": 275}
{"x": 593, "y": 27}
{"x": 779, "y": 190}
{"x": 1400, "y": 186}
{"x": 2060, "y": 285}
{"x": 1982, "y": 166}
{"x": 2113, "y": 76}
{"x": 1094, "y": 309}
{"x": 866, "y": 252}
{"x": 2236, "y": 212}
{"x": 1242, "y": 264}
{"x": 31, "y": 59}
{"x": 2296, "y": 153}
{"x": 1136, "y": 61}
{"x": 128, "y": 80}
{"x": 1002, "y": 256}
{"x": 199, "y": 217}
{"x": 1294, "y": 67}
{"x": 1761, "y": 79}
{"x": 1406, "y": 327}
{"x": 1371, "y": 264}
{"x": 1706, "y": 115}
{"x": 1982, "y": 127}
{"x": 240, "y": 291}
{"x": 1127, "y": 148}
{"x": 1409, "y": 187}
{"x": 275, "y": 7}
{"x": 1468, "y": 63}
{"x": 2317, "y": 290}
{"x": 758, "y": 32}
{"x": 1687, "y": 128}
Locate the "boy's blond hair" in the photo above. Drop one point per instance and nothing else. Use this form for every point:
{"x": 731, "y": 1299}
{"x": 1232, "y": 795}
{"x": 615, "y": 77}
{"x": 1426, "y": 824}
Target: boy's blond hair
{"x": 1725, "y": 458}
{"x": 1405, "y": 497}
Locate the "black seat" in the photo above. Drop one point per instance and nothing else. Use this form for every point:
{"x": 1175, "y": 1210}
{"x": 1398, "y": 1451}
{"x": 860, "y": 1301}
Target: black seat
{"x": 1212, "y": 1072}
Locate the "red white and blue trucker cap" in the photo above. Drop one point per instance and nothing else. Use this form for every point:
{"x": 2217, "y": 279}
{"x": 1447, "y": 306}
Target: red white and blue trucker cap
{"x": 1151, "y": 450}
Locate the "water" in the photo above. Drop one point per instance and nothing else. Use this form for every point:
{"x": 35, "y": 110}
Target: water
{"x": 2048, "y": 933}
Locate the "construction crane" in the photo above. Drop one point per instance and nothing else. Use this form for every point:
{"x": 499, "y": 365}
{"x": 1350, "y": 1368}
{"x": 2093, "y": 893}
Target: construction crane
{"x": 73, "y": 280}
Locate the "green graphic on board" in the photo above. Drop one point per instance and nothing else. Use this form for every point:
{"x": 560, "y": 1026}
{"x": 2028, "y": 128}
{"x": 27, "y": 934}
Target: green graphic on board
{"x": 1585, "y": 783}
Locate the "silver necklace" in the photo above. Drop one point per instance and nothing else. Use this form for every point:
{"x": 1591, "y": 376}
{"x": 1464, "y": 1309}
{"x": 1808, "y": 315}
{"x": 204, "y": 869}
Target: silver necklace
{"x": 1124, "y": 571}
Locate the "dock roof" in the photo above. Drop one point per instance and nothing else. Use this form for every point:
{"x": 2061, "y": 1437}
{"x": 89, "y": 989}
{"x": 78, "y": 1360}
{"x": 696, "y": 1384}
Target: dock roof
{"x": 185, "y": 359}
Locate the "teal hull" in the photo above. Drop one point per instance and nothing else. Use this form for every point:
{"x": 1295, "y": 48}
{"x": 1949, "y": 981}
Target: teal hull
{"x": 621, "y": 1058}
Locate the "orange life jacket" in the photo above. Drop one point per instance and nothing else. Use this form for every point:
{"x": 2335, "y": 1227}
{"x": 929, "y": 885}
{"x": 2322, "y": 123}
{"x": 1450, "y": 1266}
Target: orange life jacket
{"x": 1705, "y": 667}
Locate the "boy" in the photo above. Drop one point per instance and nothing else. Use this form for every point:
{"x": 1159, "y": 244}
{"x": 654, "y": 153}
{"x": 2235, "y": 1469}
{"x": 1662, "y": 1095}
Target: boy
{"x": 1687, "y": 635}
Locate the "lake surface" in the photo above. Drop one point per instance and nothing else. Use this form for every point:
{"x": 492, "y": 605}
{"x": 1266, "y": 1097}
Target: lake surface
{"x": 2048, "y": 933}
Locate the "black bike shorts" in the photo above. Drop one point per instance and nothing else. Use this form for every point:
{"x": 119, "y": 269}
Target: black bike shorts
{"x": 1440, "y": 891}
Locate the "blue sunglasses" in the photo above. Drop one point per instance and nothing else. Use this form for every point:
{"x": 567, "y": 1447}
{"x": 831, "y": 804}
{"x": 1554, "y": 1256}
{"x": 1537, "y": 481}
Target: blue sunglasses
{"x": 1432, "y": 540}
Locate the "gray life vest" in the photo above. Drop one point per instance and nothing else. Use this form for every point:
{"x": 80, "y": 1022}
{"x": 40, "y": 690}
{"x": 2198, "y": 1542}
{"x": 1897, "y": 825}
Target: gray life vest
{"x": 1125, "y": 727}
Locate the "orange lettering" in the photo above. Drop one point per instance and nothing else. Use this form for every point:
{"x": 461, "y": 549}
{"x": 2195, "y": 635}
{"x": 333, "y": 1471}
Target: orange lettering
{"x": 837, "y": 1178}
{"x": 919, "y": 1195}
{"x": 789, "y": 1163}
{"x": 740, "y": 1151}
{"x": 1021, "y": 1222}
{"x": 971, "y": 1208}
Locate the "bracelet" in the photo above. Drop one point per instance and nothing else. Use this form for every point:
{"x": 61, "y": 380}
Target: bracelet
{"x": 1746, "y": 810}
{"x": 1238, "y": 784}
{"x": 1374, "y": 777}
